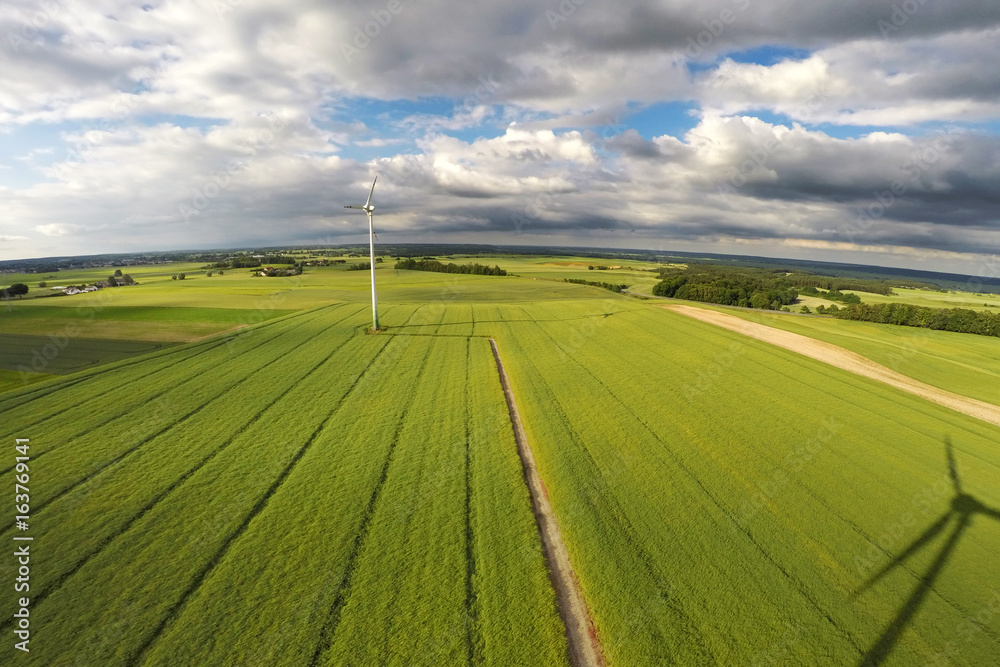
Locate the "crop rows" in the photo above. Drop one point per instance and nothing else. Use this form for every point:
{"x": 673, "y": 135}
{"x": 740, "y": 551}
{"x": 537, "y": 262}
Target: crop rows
{"x": 317, "y": 497}
{"x": 714, "y": 525}
{"x": 107, "y": 431}
{"x": 134, "y": 583}
{"x": 91, "y": 512}
{"x": 119, "y": 388}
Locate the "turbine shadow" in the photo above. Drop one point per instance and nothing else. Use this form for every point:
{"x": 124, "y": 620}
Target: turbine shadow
{"x": 964, "y": 508}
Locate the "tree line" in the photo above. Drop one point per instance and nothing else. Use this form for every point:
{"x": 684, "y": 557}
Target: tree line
{"x": 832, "y": 295}
{"x": 961, "y": 320}
{"x": 594, "y": 283}
{"x": 411, "y": 264}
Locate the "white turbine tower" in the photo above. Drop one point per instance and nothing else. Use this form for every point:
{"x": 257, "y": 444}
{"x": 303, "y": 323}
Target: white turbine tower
{"x": 369, "y": 208}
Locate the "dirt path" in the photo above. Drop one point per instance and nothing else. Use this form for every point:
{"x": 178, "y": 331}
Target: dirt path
{"x": 845, "y": 359}
{"x": 584, "y": 647}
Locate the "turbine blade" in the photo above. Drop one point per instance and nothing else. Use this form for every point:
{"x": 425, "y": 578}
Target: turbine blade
{"x": 890, "y": 636}
{"x": 952, "y": 466}
{"x": 914, "y": 547}
{"x": 368, "y": 203}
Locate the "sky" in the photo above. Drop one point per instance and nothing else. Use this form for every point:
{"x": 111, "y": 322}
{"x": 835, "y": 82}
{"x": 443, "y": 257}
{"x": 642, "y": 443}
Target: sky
{"x": 863, "y": 131}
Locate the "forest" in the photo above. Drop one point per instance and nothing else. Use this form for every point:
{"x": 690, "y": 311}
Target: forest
{"x": 595, "y": 283}
{"x": 762, "y": 288}
{"x": 727, "y": 286}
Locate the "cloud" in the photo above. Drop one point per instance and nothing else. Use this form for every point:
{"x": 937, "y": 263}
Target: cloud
{"x": 57, "y": 229}
{"x": 185, "y": 125}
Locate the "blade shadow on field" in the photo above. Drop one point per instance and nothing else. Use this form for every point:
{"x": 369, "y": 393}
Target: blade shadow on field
{"x": 964, "y": 508}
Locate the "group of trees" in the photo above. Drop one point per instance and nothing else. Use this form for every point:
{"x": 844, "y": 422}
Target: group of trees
{"x": 594, "y": 283}
{"x": 832, "y": 295}
{"x": 946, "y": 319}
{"x": 17, "y": 289}
{"x": 728, "y": 286}
{"x": 360, "y": 266}
{"x": 411, "y": 264}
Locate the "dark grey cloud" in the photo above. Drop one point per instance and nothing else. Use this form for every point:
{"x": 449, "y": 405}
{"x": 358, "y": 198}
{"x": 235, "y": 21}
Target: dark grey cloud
{"x": 551, "y": 70}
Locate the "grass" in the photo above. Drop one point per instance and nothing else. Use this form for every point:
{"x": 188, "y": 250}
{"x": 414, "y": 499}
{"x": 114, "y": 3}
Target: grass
{"x": 707, "y": 528}
{"x": 223, "y": 478}
{"x": 931, "y": 299}
{"x": 299, "y": 492}
{"x": 28, "y": 358}
{"x": 11, "y": 379}
{"x": 962, "y": 363}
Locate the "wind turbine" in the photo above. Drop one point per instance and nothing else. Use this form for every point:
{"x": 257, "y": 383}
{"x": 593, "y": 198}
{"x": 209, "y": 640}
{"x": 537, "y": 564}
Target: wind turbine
{"x": 369, "y": 208}
{"x": 964, "y": 508}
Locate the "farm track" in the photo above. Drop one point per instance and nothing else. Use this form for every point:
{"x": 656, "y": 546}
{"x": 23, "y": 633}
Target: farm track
{"x": 95, "y": 398}
{"x": 692, "y": 476}
{"x": 584, "y": 645}
{"x": 258, "y": 507}
{"x": 470, "y": 551}
{"x": 845, "y": 360}
{"x": 621, "y": 520}
{"x": 125, "y": 413}
{"x": 42, "y": 595}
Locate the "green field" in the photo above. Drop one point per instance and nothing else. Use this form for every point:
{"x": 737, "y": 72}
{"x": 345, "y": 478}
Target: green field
{"x": 932, "y": 299}
{"x": 301, "y": 492}
{"x": 962, "y": 363}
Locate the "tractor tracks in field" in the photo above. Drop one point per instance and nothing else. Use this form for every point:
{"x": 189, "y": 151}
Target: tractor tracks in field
{"x": 581, "y": 636}
{"x": 155, "y": 500}
{"x": 844, "y": 359}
